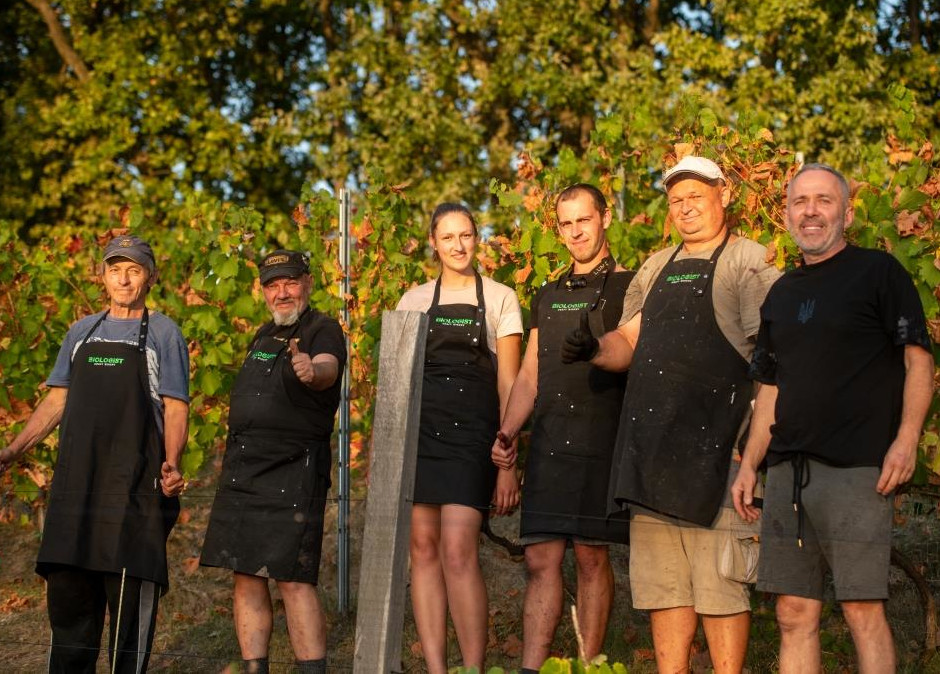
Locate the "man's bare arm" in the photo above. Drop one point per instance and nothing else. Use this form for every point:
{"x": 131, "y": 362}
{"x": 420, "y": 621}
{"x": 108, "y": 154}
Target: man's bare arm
{"x": 41, "y": 422}
{"x": 615, "y": 348}
{"x": 175, "y": 435}
{"x": 520, "y": 405}
{"x": 899, "y": 462}
{"x": 758, "y": 440}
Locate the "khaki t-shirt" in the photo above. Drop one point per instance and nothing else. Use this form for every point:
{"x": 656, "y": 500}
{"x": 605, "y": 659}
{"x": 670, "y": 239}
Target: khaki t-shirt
{"x": 503, "y": 315}
{"x": 742, "y": 279}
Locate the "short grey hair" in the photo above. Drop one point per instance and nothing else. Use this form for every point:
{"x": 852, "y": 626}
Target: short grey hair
{"x": 843, "y": 183}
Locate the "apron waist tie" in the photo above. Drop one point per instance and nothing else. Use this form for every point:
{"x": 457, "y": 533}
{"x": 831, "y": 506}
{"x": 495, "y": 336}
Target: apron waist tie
{"x": 800, "y": 482}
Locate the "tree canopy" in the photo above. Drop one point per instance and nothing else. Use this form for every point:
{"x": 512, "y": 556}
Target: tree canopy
{"x": 161, "y": 101}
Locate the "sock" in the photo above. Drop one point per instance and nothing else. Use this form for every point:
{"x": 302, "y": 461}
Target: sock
{"x": 311, "y": 666}
{"x": 524, "y": 670}
{"x": 256, "y": 666}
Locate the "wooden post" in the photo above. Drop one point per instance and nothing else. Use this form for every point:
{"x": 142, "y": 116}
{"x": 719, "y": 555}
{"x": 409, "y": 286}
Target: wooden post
{"x": 380, "y": 611}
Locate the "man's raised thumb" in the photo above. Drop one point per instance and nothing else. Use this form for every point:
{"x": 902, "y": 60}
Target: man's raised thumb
{"x": 294, "y": 346}
{"x": 585, "y": 324}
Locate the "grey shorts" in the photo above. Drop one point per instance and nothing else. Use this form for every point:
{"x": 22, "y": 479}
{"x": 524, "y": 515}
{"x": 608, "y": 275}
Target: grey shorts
{"x": 846, "y": 529}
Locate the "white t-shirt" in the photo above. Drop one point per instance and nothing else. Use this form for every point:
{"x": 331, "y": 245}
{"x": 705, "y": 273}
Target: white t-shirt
{"x": 503, "y": 314}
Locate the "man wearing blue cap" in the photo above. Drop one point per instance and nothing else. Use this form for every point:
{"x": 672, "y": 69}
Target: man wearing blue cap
{"x": 267, "y": 518}
{"x": 120, "y": 388}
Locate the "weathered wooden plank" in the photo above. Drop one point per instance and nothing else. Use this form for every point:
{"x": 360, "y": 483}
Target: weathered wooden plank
{"x": 383, "y": 574}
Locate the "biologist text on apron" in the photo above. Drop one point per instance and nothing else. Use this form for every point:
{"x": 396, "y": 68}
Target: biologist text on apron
{"x": 459, "y": 407}
{"x": 575, "y": 422}
{"x": 107, "y": 511}
{"x": 686, "y": 399}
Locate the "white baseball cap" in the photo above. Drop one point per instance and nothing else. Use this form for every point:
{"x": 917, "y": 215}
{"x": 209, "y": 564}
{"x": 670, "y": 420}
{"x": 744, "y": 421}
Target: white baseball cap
{"x": 696, "y": 166}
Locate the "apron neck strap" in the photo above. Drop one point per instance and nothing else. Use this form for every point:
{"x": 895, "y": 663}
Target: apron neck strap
{"x": 94, "y": 327}
{"x": 605, "y": 267}
{"x": 713, "y": 258}
{"x": 142, "y": 338}
{"x": 142, "y": 335}
{"x": 481, "y": 302}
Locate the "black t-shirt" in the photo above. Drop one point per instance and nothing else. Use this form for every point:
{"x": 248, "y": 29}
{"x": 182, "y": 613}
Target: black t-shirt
{"x": 832, "y": 340}
{"x": 318, "y": 333}
{"x": 611, "y": 297}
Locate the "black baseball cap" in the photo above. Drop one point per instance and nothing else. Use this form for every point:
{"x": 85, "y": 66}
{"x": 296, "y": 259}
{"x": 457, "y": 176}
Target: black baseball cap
{"x": 283, "y": 264}
{"x": 133, "y": 248}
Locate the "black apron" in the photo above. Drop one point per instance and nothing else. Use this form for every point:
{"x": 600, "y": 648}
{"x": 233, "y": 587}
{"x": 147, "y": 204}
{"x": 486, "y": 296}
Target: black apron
{"x": 267, "y": 517}
{"x": 107, "y": 511}
{"x": 459, "y": 407}
{"x": 686, "y": 399}
{"x": 574, "y": 423}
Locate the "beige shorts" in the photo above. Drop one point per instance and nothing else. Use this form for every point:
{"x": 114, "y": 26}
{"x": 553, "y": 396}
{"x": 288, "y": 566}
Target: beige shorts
{"x": 675, "y": 563}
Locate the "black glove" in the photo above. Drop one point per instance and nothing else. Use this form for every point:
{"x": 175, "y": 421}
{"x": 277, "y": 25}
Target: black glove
{"x": 579, "y": 344}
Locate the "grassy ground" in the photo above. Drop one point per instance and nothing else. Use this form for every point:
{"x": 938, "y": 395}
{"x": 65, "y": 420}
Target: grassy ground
{"x": 195, "y": 631}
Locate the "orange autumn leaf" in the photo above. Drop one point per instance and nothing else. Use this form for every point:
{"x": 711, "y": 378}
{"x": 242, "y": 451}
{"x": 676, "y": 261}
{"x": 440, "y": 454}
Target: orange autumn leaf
{"x": 512, "y": 646}
{"x": 771, "y": 256}
{"x": 644, "y": 655}
{"x": 926, "y": 151}
{"x": 683, "y": 150}
{"x": 933, "y": 325}
{"x": 363, "y": 229}
{"x": 533, "y": 201}
{"x": 526, "y": 169}
{"x": 37, "y": 476}
{"x": 299, "y": 215}
{"x": 14, "y": 603}
{"x": 763, "y": 172}
{"x": 909, "y": 223}
{"x": 193, "y": 298}
{"x": 897, "y": 153}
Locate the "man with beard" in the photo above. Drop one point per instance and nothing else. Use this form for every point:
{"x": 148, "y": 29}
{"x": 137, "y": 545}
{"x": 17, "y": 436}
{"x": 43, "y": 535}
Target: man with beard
{"x": 576, "y": 409}
{"x": 120, "y": 387}
{"x": 267, "y": 518}
{"x": 847, "y": 373}
{"x": 692, "y": 315}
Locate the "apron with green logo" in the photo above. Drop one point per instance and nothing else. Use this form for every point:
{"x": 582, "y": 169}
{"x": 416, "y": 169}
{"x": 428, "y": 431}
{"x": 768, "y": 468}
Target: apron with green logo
{"x": 459, "y": 407}
{"x": 686, "y": 399}
{"x": 107, "y": 511}
{"x": 267, "y": 517}
{"x": 575, "y": 419}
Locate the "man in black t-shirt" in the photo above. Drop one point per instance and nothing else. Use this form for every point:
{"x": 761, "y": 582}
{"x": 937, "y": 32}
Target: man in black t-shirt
{"x": 267, "y": 517}
{"x": 847, "y": 373}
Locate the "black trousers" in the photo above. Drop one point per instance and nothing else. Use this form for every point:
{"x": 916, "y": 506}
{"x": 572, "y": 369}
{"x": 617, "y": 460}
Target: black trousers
{"x": 77, "y": 600}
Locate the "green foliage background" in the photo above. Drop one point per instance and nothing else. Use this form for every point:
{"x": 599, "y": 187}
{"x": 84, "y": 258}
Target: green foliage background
{"x": 202, "y": 126}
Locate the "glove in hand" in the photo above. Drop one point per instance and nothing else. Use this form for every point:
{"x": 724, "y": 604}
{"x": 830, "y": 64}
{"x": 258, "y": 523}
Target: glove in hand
{"x": 580, "y": 343}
